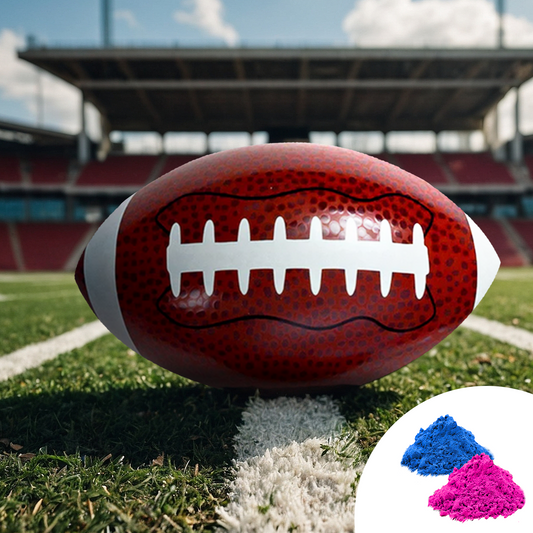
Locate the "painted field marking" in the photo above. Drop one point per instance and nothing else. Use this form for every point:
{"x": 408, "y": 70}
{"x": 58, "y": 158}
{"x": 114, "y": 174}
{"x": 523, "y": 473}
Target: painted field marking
{"x": 36, "y": 277}
{"x": 516, "y": 336}
{"x": 39, "y": 295}
{"x": 36, "y": 354}
{"x": 521, "y": 274}
{"x": 283, "y": 480}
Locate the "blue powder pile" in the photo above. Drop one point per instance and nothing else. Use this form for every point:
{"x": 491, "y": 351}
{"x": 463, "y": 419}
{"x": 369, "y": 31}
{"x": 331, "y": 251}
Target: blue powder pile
{"x": 442, "y": 447}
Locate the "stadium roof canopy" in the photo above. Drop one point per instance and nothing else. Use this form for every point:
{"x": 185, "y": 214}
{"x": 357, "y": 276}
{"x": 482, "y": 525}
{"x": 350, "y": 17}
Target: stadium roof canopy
{"x": 321, "y": 89}
{"x": 14, "y": 132}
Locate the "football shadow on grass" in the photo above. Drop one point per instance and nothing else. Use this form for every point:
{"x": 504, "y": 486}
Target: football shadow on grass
{"x": 191, "y": 424}
{"x": 360, "y": 402}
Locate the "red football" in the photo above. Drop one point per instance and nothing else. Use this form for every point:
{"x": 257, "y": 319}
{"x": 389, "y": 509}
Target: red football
{"x": 286, "y": 266}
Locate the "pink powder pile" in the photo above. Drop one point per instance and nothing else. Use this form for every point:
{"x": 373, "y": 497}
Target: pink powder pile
{"x": 479, "y": 489}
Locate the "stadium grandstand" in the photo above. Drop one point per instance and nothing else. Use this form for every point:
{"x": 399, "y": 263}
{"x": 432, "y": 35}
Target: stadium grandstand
{"x": 56, "y": 188}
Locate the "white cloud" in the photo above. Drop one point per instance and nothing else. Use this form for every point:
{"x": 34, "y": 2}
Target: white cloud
{"x": 20, "y": 81}
{"x": 128, "y": 17}
{"x": 443, "y": 23}
{"x": 432, "y": 23}
{"x": 208, "y": 15}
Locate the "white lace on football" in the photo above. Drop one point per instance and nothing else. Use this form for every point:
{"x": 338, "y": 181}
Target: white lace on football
{"x": 314, "y": 254}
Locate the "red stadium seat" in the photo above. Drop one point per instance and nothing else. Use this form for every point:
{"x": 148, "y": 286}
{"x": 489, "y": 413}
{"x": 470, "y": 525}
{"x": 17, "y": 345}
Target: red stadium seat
{"x": 48, "y": 246}
{"x": 118, "y": 170}
{"x": 478, "y": 169}
{"x": 524, "y": 228}
{"x": 424, "y": 166}
{"x": 7, "y": 257}
{"x": 528, "y": 160}
{"x": 49, "y": 170}
{"x": 10, "y": 169}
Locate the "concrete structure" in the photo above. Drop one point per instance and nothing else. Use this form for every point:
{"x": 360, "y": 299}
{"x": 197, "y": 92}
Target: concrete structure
{"x": 289, "y": 91}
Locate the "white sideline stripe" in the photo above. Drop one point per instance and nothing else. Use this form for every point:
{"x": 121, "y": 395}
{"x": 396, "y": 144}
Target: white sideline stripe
{"x": 516, "y": 336}
{"x": 283, "y": 481}
{"x": 40, "y": 278}
{"x": 38, "y": 295}
{"x": 38, "y": 353}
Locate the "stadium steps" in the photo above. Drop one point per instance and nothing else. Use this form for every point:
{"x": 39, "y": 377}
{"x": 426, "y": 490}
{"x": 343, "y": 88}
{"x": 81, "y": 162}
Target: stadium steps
{"x": 49, "y": 246}
{"x": 524, "y": 230}
{"x": 525, "y": 248}
{"x": 74, "y": 172}
{"x": 75, "y": 255}
{"x": 424, "y": 166}
{"x": 8, "y": 259}
{"x": 447, "y": 172}
{"x": 157, "y": 170}
{"x": 503, "y": 242}
{"x": 25, "y": 172}
{"x": 520, "y": 174}
{"x": 527, "y": 167}
{"x": 16, "y": 246}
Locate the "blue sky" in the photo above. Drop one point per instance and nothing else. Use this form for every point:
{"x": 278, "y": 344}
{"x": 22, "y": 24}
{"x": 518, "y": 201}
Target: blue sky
{"x": 273, "y": 22}
{"x": 234, "y": 23}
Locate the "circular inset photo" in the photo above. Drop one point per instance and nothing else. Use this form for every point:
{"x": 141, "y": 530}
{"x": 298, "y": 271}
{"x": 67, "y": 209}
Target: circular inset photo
{"x": 461, "y": 461}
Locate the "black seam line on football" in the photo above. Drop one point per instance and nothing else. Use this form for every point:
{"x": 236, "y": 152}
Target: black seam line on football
{"x": 297, "y": 324}
{"x": 288, "y": 193}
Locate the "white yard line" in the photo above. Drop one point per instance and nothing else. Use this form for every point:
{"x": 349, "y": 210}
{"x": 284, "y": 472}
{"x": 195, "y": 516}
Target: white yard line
{"x": 39, "y": 295}
{"x": 516, "y": 336}
{"x": 36, "y": 354}
{"x": 283, "y": 481}
{"x": 523, "y": 274}
{"x": 36, "y": 277}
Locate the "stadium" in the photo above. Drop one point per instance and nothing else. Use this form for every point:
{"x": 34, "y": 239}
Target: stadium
{"x": 54, "y": 185}
{"x": 94, "y": 437}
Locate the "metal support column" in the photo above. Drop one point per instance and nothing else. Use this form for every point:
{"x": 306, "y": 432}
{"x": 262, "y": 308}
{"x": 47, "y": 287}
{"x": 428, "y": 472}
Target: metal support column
{"x": 501, "y": 9}
{"x": 83, "y": 138}
{"x": 517, "y": 145}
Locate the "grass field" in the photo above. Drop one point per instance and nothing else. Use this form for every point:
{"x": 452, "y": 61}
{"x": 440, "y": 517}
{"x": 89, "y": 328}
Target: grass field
{"x": 101, "y": 440}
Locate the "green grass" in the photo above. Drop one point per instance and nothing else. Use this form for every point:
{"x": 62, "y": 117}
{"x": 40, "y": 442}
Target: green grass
{"x": 148, "y": 448}
{"x": 510, "y": 299}
{"x": 35, "y": 307}
{"x": 101, "y": 439}
{"x": 464, "y": 359}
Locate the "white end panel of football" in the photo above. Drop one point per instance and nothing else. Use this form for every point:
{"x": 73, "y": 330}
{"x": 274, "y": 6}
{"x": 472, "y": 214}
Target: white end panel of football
{"x": 99, "y": 271}
{"x": 488, "y": 262}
